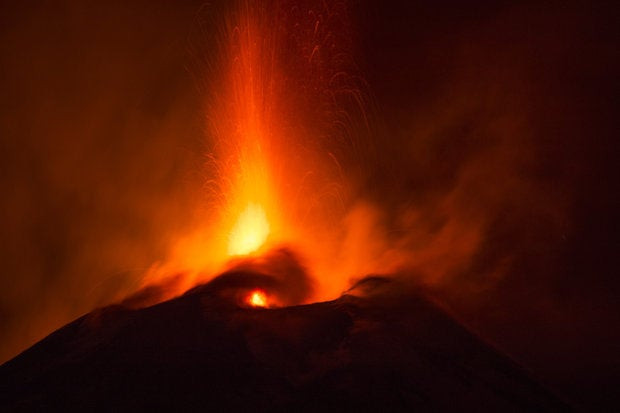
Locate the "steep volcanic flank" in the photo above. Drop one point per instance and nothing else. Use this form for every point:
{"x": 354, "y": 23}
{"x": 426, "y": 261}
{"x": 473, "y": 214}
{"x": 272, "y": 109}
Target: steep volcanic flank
{"x": 379, "y": 347}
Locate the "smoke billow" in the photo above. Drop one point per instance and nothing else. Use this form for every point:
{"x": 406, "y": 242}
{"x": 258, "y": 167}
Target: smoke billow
{"x": 101, "y": 152}
{"x": 492, "y": 185}
{"x": 289, "y": 280}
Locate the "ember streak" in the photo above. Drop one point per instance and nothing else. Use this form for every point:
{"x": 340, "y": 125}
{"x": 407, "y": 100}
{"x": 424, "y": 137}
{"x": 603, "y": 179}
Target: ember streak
{"x": 276, "y": 152}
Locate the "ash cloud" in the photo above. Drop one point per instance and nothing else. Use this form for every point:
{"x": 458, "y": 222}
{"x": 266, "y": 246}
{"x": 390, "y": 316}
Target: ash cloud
{"x": 460, "y": 159}
{"x": 285, "y": 275}
{"x": 493, "y": 183}
{"x": 279, "y": 272}
{"x": 101, "y": 138}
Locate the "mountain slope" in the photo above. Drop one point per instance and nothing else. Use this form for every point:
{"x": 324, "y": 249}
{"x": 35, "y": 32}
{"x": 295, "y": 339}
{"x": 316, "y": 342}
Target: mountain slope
{"x": 391, "y": 351}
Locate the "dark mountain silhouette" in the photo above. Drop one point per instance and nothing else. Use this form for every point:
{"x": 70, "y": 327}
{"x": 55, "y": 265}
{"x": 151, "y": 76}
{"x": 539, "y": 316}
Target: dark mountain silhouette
{"x": 379, "y": 347}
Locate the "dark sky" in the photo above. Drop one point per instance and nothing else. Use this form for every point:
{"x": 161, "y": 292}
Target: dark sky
{"x": 489, "y": 119}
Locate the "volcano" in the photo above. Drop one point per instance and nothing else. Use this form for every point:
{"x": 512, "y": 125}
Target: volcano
{"x": 380, "y": 346}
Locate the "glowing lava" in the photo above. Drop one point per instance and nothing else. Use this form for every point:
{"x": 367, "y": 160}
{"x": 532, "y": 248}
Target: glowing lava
{"x": 257, "y": 298}
{"x": 250, "y": 231}
{"x": 274, "y": 132}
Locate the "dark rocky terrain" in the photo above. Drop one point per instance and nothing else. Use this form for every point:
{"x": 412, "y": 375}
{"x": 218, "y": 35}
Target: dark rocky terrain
{"x": 384, "y": 350}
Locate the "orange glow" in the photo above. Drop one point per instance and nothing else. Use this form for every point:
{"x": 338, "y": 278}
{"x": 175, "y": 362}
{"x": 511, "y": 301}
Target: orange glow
{"x": 293, "y": 156}
{"x": 257, "y": 298}
{"x": 274, "y": 178}
{"x": 244, "y": 124}
{"x": 250, "y": 231}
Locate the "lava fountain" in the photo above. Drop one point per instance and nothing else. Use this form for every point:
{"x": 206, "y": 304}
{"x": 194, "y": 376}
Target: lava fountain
{"x": 250, "y": 231}
{"x": 275, "y": 128}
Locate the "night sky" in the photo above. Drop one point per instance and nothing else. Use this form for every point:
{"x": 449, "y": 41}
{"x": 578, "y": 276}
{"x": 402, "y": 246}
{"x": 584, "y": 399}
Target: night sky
{"x": 489, "y": 121}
